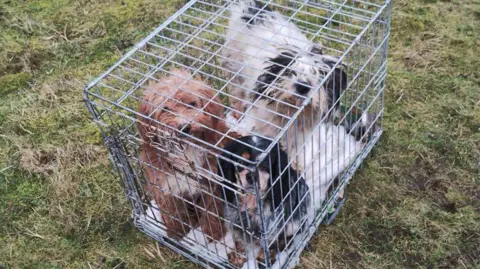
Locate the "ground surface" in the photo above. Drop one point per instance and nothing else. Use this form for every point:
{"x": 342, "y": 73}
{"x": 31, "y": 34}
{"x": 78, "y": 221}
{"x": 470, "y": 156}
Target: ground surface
{"x": 415, "y": 204}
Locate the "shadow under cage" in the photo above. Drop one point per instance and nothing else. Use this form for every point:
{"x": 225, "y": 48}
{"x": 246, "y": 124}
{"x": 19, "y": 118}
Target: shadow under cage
{"x": 236, "y": 125}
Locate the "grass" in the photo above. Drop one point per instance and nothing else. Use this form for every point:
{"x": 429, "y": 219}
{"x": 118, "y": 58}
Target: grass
{"x": 414, "y": 204}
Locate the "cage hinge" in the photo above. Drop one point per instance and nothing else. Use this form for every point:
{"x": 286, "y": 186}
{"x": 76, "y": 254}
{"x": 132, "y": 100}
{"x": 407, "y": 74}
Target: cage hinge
{"x": 111, "y": 144}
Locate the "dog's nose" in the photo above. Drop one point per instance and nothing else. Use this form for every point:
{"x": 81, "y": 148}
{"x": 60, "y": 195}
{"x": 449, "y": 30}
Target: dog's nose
{"x": 302, "y": 87}
{"x": 186, "y": 128}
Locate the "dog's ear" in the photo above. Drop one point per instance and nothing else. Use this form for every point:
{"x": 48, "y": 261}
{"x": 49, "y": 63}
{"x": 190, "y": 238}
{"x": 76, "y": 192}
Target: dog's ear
{"x": 284, "y": 178}
{"x": 226, "y": 169}
{"x": 336, "y": 85}
{"x": 230, "y": 136}
{"x": 214, "y": 104}
{"x": 273, "y": 164}
{"x": 143, "y": 124}
{"x": 216, "y": 111}
{"x": 151, "y": 100}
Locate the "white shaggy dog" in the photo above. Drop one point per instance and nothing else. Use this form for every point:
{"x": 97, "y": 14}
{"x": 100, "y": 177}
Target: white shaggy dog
{"x": 277, "y": 64}
{"x": 276, "y": 70}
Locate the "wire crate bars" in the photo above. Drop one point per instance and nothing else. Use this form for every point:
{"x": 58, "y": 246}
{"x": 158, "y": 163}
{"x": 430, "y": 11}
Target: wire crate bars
{"x": 236, "y": 124}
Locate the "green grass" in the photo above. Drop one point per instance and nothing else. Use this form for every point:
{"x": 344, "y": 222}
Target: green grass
{"x": 414, "y": 204}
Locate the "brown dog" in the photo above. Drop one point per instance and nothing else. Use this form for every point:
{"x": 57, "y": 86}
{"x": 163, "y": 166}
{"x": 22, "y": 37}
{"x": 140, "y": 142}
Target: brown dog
{"x": 179, "y": 115}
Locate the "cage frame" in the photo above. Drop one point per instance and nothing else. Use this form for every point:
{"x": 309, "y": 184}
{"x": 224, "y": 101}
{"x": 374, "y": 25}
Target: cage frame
{"x": 122, "y": 165}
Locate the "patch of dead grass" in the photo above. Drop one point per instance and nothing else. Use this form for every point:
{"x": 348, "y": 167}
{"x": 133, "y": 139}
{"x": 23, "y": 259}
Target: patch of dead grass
{"x": 60, "y": 164}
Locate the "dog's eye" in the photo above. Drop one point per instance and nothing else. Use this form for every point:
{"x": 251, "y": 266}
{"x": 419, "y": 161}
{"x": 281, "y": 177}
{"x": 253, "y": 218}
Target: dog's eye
{"x": 193, "y": 103}
{"x": 166, "y": 108}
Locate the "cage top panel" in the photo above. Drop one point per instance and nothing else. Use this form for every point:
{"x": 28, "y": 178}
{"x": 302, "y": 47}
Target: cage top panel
{"x": 183, "y": 72}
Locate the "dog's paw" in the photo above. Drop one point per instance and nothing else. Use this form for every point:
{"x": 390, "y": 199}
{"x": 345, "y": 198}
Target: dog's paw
{"x": 261, "y": 258}
{"x": 216, "y": 250}
{"x": 232, "y": 120}
{"x": 237, "y": 259}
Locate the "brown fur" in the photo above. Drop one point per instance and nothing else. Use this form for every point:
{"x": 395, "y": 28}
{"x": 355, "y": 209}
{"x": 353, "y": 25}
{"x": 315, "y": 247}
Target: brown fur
{"x": 182, "y": 210}
{"x": 237, "y": 257}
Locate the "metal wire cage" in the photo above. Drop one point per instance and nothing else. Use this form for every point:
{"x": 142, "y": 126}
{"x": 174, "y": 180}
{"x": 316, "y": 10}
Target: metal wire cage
{"x": 236, "y": 124}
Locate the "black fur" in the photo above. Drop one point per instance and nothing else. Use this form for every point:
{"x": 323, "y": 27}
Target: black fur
{"x": 302, "y": 88}
{"x": 275, "y": 72}
{"x": 279, "y": 69}
{"x": 354, "y": 126}
{"x": 283, "y": 196}
{"x": 254, "y": 15}
{"x": 335, "y": 86}
{"x": 338, "y": 81}
{"x": 316, "y": 50}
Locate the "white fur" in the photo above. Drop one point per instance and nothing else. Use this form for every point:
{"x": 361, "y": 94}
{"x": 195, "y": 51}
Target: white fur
{"x": 154, "y": 215}
{"x": 254, "y": 45}
{"x": 153, "y": 212}
{"x": 252, "y": 252}
{"x": 329, "y": 152}
{"x": 196, "y": 240}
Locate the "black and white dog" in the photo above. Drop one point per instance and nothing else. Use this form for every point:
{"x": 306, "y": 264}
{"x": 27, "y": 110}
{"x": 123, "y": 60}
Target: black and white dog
{"x": 277, "y": 69}
{"x": 285, "y": 200}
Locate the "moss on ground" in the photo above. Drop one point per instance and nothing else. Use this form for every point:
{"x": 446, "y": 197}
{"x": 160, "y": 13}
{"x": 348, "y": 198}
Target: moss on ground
{"x": 414, "y": 204}
{"x": 12, "y": 82}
